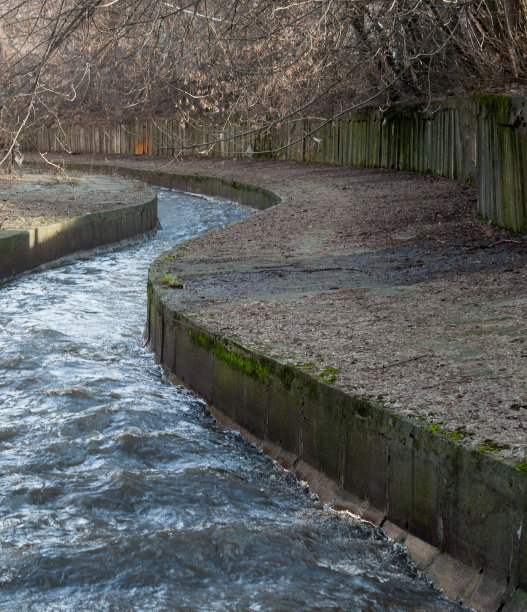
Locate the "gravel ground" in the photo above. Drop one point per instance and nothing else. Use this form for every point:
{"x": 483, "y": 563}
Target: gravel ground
{"x": 386, "y": 280}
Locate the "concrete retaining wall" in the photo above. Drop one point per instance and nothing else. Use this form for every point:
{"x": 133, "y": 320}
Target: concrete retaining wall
{"x": 22, "y": 250}
{"x": 460, "y": 501}
{"x": 481, "y": 140}
{"x": 251, "y": 195}
{"x": 459, "y": 511}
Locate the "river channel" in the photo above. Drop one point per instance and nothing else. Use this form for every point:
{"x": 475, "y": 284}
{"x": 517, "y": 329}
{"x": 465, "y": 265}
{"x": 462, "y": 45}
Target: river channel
{"x": 119, "y": 491}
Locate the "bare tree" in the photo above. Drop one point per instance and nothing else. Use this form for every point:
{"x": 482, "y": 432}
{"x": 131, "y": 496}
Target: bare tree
{"x": 255, "y": 61}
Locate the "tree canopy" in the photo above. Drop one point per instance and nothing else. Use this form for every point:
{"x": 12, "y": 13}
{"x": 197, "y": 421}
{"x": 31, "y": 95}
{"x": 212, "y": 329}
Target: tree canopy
{"x": 256, "y": 60}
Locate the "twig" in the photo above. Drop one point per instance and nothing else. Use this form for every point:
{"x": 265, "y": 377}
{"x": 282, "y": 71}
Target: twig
{"x": 397, "y": 363}
{"x": 489, "y": 246}
{"x": 59, "y": 168}
{"x": 473, "y": 247}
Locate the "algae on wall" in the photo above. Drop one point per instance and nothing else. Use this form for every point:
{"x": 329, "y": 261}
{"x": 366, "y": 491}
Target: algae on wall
{"x": 502, "y": 157}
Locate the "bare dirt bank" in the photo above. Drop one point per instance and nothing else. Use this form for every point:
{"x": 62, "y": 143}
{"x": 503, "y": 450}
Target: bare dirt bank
{"x": 31, "y": 197}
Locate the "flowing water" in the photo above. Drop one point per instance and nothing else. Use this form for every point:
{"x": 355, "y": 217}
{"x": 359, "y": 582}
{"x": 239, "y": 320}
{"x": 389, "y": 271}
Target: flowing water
{"x": 118, "y": 490}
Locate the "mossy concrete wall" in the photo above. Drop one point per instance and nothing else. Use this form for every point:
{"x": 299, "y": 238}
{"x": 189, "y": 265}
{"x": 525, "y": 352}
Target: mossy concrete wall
{"x": 466, "y": 510}
{"x": 22, "y": 250}
{"x": 459, "y": 500}
{"x": 481, "y": 140}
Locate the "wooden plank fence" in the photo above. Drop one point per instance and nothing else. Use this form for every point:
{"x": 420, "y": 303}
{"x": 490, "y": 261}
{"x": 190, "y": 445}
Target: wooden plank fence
{"x": 481, "y": 140}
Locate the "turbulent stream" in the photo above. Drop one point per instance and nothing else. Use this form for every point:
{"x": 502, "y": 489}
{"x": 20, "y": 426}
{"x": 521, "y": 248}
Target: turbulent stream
{"x": 118, "y": 490}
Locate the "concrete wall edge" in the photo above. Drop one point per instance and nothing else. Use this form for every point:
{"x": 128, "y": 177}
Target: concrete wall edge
{"x": 23, "y": 250}
{"x": 248, "y": 391}
{"x": 202, "y": 184}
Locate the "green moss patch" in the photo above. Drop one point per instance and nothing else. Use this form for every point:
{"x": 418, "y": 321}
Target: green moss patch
{"x": 252, "y": 367}
{"x": 329, "y": 375}
{"x": 171, "y": 280}
{"x": 326, "y": 375}
{"x": 489, "y": 446}
{"x": 457, "y": 434}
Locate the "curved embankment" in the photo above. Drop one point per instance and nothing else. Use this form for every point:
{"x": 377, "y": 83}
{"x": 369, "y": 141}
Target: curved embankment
{"x": 22, "y": 250}
{"x": 479, "y": 139}
{"x": 250, "y": 195}
{"x": 460, "y": 513}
